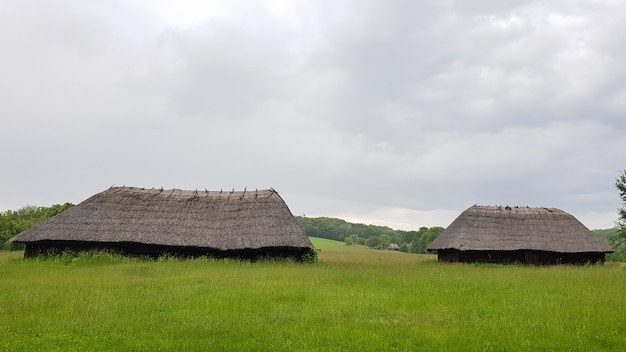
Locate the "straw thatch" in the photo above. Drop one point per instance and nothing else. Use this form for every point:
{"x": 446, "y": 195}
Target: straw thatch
{"x": 518, "y": 234}
{"x": 153, "y": 222}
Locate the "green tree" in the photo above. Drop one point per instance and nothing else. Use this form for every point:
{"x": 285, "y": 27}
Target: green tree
{"x": 373, "y": 242}
{"x": 618, "y": 241}
{"x": 426, "y": 236}
{"x": 620, "y": 184}
{"x": 352, "y": 239}
{"x": 385, "y": 241}
{"x": 14, "y": 222}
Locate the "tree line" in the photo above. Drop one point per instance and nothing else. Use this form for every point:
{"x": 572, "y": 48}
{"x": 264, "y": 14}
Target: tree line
{"x": 373, "y": 236}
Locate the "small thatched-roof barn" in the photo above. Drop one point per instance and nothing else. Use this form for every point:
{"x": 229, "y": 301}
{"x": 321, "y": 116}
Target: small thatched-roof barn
{"x": 155, "y": 222}
{"x": 518, "y": 234}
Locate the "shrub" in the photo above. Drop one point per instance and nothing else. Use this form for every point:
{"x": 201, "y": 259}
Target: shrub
{"x": 309, "y": 257}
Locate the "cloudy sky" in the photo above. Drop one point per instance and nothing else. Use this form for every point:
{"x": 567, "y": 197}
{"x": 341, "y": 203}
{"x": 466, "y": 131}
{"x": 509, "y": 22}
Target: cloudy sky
{"x": 398, "y": 113}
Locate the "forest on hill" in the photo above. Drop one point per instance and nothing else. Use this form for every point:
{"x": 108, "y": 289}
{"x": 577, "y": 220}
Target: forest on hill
{"x": 373, "y": 236}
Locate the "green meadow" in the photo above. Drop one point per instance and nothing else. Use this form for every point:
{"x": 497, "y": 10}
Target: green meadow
{"x": 352, "y": 299}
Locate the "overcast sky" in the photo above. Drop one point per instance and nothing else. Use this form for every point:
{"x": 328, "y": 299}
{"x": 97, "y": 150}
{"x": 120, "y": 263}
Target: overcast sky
{"x": 397, "y": 113}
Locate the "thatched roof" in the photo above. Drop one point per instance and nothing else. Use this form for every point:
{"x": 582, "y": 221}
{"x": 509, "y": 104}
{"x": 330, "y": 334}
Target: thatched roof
{"x": 206, "y": 219}
{"x": 490, "y": 228}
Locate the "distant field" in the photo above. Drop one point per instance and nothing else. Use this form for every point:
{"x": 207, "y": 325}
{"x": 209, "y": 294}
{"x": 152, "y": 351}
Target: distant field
{"x": 353, "y": 299}
{"x": 323, "y": 243}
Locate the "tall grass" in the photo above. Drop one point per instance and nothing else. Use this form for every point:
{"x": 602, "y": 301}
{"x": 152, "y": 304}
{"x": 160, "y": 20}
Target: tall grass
{"x": 352, "y": 299}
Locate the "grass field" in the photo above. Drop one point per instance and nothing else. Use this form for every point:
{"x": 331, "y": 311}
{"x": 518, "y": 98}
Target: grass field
{"x": 353, "y": 299}
{"x": 323, "y": 243}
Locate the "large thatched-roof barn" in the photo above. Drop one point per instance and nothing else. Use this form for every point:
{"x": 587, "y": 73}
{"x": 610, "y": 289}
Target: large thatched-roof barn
{"x": 155, "y": 222}
{"x": 544, "y": 236}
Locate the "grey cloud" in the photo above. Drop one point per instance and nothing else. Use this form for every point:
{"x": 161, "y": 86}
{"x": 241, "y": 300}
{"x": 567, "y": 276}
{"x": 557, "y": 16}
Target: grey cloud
{"x": 488, "y": 76}
{"x": 359, "y": 108}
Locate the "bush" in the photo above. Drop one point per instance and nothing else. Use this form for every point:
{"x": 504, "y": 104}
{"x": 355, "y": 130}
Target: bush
{"x": 309, "y": 257}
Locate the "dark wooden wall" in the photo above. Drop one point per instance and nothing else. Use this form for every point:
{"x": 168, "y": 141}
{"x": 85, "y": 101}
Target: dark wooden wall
{"x": 155, "y": 251}
{"x": 522, "y": 257}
